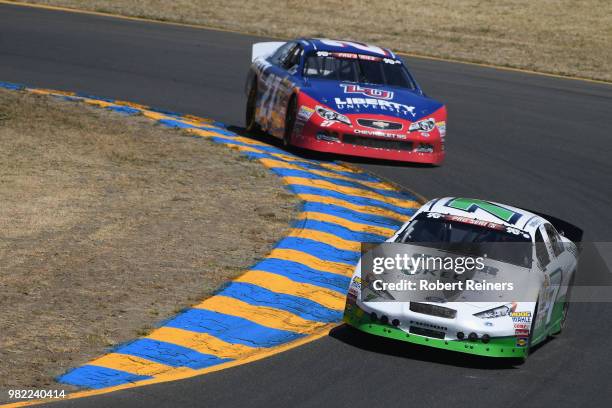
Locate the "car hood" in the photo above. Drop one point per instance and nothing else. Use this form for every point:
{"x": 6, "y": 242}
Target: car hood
{"x": 501, "y": 282}
{"x": 354, "y": 98}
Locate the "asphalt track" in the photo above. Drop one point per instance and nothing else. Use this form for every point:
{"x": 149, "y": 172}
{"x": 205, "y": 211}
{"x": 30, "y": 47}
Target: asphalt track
{"x": 534, "y": 141}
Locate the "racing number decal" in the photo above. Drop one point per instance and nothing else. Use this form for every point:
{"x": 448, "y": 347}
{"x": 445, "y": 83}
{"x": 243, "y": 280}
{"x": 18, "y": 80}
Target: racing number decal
{"x": 551, "y": 292}
{"x": 471, "y": 205}
{"x": 268, "y": 99}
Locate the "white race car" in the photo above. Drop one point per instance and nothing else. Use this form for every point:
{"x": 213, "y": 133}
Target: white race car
{"x": 472, "y": 320}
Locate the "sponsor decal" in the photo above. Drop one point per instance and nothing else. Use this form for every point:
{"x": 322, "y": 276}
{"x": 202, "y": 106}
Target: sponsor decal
{"x": 521, "y": 317}
{"x": 305, "y": 113}
{"x": 371, "y": 92}
{"x": 391, "y": 61}
{"x": 521, "y": 326}
{"x": 347, "y": 55}
{"x": 472, "y": 221}
{"x": 522, "y": 341}
{"x": 302, "y": 117}
{"x": 441, "y": 128}
{"x": 352, "y": 55}
{"x": 368, "y": 58}
{"x": 373, "y": 103}
{"x": 521, "y": 333}
{"x": 379, "y": 133}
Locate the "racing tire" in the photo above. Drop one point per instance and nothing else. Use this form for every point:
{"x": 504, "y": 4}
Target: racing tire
{"x": 534, "y": 317}
{"x": 250, "y": 123}
{"x": 290, "y": 121}
{"x": 566, "y": 305}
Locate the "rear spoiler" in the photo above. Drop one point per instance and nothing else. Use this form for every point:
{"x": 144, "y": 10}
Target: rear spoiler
{"x": 265, "y": 49}
{"x": 568, "y": 230}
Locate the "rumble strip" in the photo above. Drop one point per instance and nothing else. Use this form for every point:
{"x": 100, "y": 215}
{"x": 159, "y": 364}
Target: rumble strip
{"x": 294, "y": 295}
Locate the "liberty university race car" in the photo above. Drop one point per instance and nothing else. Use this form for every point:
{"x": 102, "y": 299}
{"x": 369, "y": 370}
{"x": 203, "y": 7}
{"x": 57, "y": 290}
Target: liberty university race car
{"x": 542, "y": 261}
{"x": 343, "y": 97}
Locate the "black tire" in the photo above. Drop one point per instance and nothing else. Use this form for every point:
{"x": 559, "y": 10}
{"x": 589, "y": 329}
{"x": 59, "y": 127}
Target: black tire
{"x": 250, "y": 124}
{"x": 290, "y": 121}
{"x": 532, "y": 330}
{"x": 566, "y": 305}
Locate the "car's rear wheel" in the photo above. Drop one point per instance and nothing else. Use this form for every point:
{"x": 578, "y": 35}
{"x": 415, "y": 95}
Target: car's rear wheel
{"x": 290, "y": 121}
{"x": 251, "y": 124}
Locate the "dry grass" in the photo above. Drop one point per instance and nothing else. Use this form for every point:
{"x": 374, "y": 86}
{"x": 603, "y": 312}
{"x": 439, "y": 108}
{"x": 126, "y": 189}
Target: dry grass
{"x": 559, "y": 36}
{"x": 110, "y": 224}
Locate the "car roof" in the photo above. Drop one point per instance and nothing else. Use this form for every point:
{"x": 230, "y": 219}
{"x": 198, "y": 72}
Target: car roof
{"x": 483, "y": 210}
{"x": 326, "y": 44}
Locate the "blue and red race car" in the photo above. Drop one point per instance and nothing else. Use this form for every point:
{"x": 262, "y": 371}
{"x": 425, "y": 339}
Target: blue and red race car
{"x": 343, "y": 97}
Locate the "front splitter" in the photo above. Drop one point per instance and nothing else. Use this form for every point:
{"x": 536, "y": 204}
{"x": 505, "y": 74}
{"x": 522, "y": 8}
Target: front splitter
{"x": 504, "y": 347}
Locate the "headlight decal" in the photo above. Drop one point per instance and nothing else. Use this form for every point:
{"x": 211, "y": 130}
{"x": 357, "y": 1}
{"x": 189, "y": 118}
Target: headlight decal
{"x": 330, "y": 115}
{"x": 499, "y": 311}
{"x": 426, "y": 125}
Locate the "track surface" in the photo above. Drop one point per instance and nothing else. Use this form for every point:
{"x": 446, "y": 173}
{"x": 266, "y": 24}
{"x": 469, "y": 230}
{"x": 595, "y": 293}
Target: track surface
{"x": 534, "y": 141}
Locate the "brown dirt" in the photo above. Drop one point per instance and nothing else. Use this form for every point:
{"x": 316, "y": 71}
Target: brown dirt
{"x": 557, "y": 36}
{"x": 109, "y": 224}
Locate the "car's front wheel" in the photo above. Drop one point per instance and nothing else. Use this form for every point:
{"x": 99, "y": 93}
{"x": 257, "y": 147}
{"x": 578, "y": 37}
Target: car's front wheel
{"x": 290, "y": 121}
{"x": 251, "y": 124}
{"x": 534, "y": 316}
{"x": 566, "y": 305}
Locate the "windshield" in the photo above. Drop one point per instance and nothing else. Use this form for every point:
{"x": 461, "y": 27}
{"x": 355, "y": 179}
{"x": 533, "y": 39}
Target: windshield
{"x": 360, "y": 68}
{"x": 466, "y": 235}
